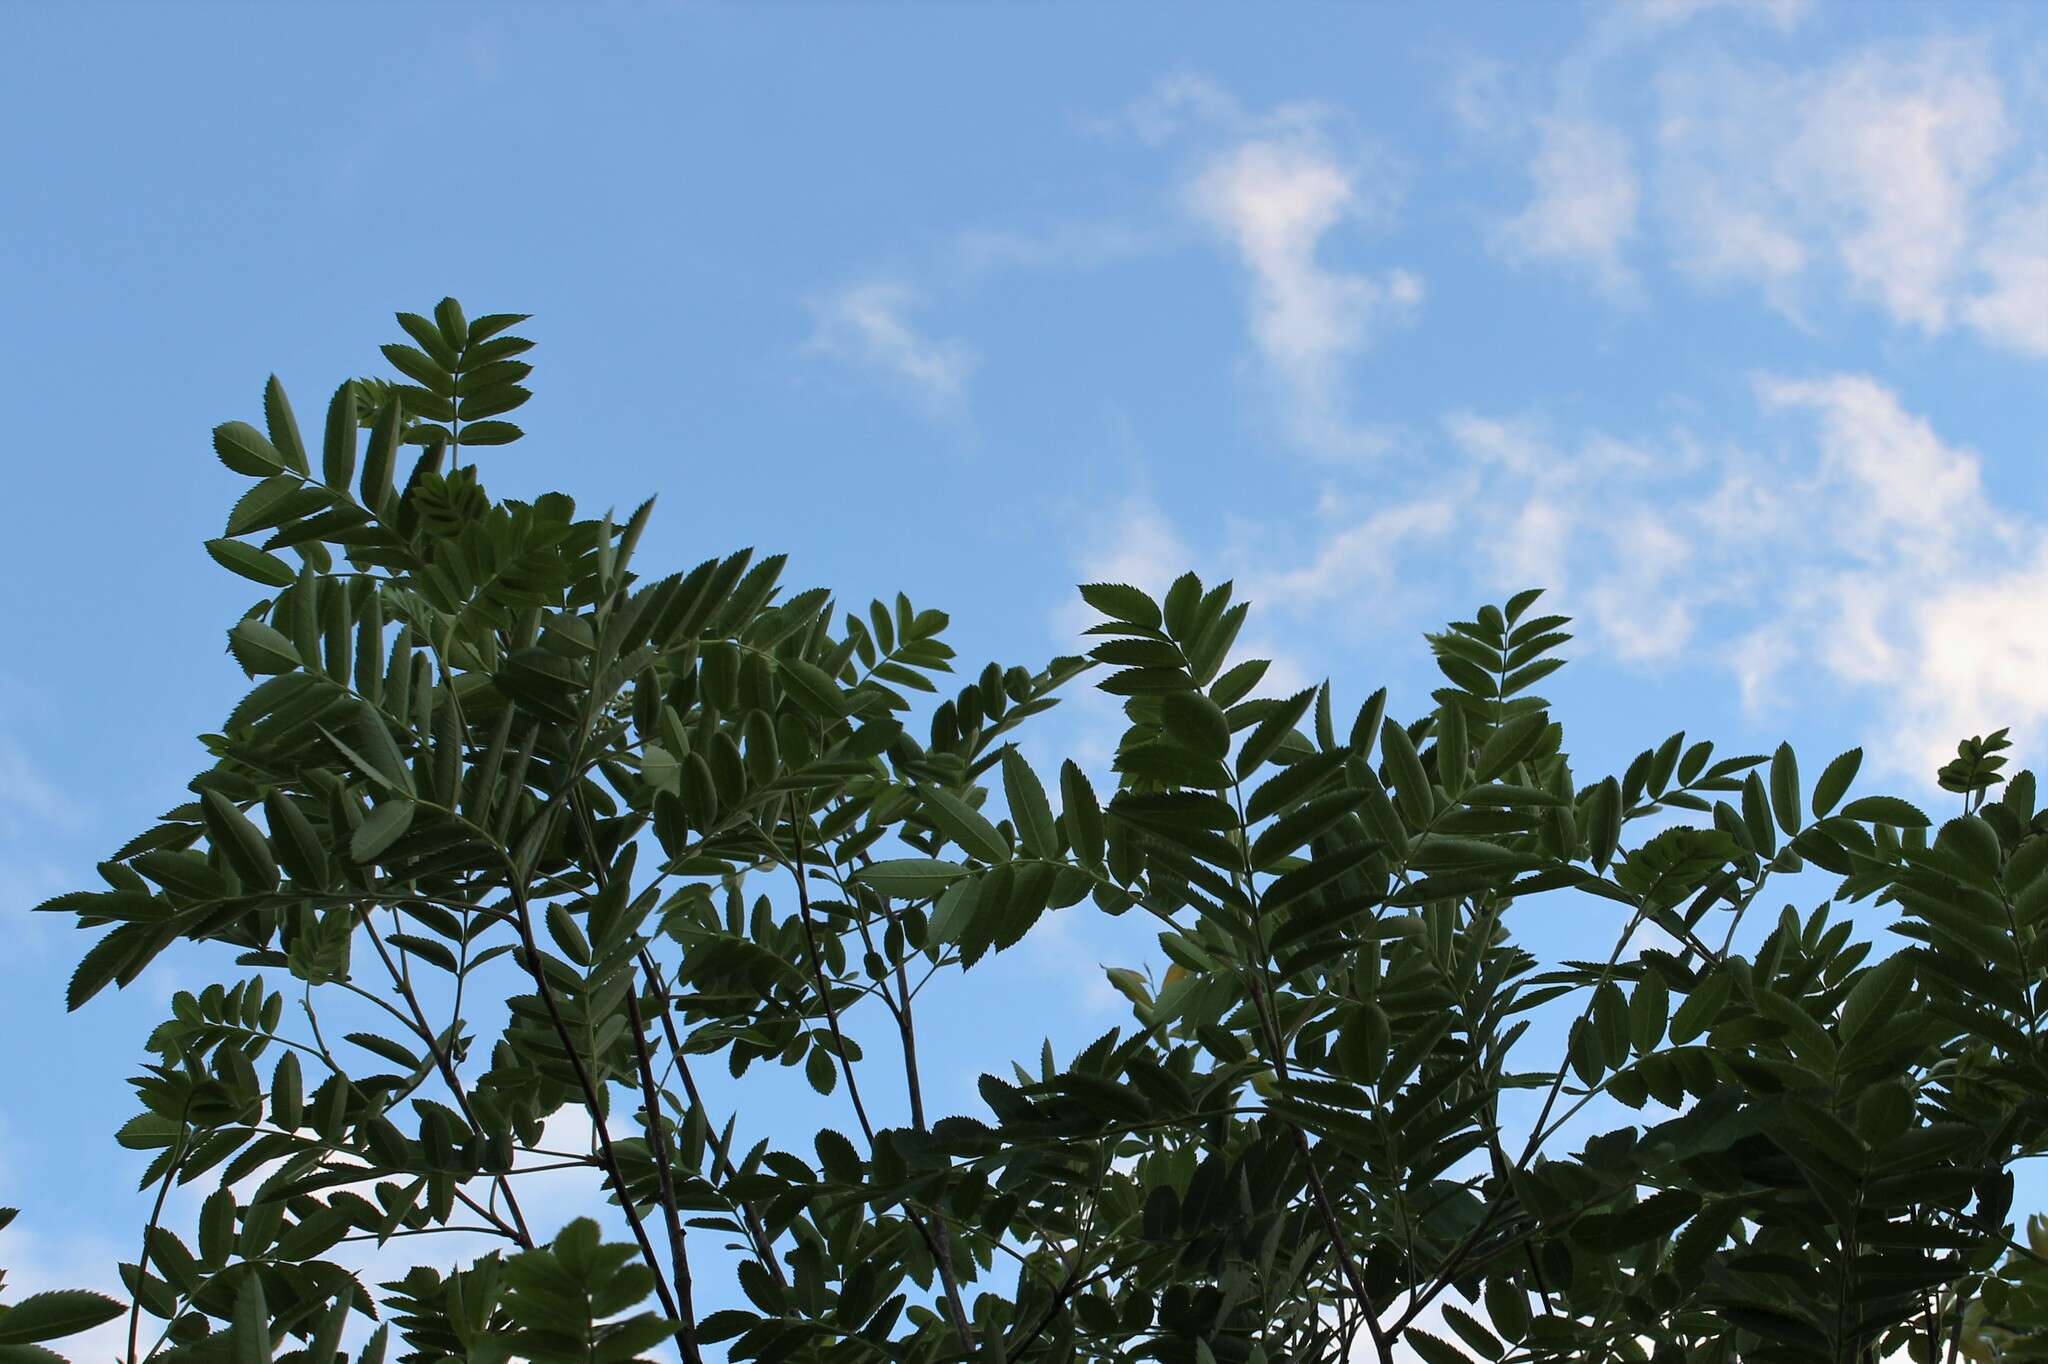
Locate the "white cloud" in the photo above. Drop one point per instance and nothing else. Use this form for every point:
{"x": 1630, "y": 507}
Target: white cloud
{"x": 1872, "y": 164}
{"x": 1479, "y": 97}
{"x": 1781, "y": 14}
{"x": 1133, "y": 542}
{"x": 1359, "y": 562}
{"x": 867, "y": 325}
{"x": 1856, "y": 552}
{"x": 1586, "y": 197}
{"x": 2010, "y": 304}
{"x": 1280, "y": 188}
{"x": 1584, "y": 522}
{"x": 1172, "y": 104}
{"x": 1888, "y": 159}
{"x": 1888, "y": 173}
{"x": 1276, "y": 200}
{"x": 1931, "y": 595}
{"x": 1862, "y": 552}
{"x": 1983, "y": 659}
{"x": 1912, "y": 496}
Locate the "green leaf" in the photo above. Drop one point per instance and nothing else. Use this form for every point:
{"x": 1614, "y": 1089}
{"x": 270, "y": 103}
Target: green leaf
{"x": 1603, "y": 823}
{"x": 244, "y": 450}
{"x": 261, "y": 650}
{"x": 1366, "y": 726}
{"x": 1648, "y": 1008}
{"x": 105, "y": 960}
{"x": 1028, "y": 806}
{"x": 1701, "y": 1008}
{"x": 910, "y": 878}
{"x": 384, "y": 1047}
{"x": 1265, "y": 739}
{"x": 292, "y": 838}
{"x": 240, "y": 841}
{"x": 1756, "y": 816}
{"x": 252, "y": 1322}
{"x": 1237, "y": 683}
{"x": 284, "y": 427}
{"x": 380, "y": 750}
{"x": 1196, "y": 721}
{"x": 1884, "y": 1113}
{"x": 1121, "y": 602}
{"x": 1411, "y": 780}
{"x": 1362, "y": 1043}
{"x": 1082, "y": 813}
{"x": 1433, "y": 1349}
{"x": 1482, "y": 1341}
{"x": 385, "y": 826}
{"x": 1876, "y": 995}
{"x": 251, "y": 563}
{"x": 338, "y": 452}
{"x": 1785, "y": 788}
{"x": 60, "y": 1312}
{"x": 326, "y": 1342}
{"x": 1887, "y": 810}
{"x": 820, "y": 1070}
{"x": 454, "y": 327}
{"x": 1834, "y": 781}
{"x": 287, "y": 1099}
{"x": 964, "y": 825}
{"x": 490, "y": 433}
{"x": 421, "y": 368}
{"x": 217, "y": 1226}
{"x": 812, "y": 688}
{"x": 1508, "y": 744}
{"x": 382, "y": 460}
{"x": 1318, "y": 872}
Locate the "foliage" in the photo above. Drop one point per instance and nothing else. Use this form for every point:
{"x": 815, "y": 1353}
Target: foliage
{"x": 2008, "y": 1319}
{"x": 666, "y": 819}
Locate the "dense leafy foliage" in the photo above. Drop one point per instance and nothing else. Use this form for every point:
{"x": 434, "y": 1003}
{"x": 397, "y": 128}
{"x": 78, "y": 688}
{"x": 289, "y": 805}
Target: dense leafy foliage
{"x": 660, "y": 821}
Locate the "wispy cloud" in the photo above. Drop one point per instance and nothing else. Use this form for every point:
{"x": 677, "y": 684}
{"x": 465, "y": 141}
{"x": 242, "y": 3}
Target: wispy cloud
{"x": 1890, "y": 174}
{"x": 1859, "y": 549}
{"x": 1874, "y": 165}
{"x": 1280, "y": 189}
{"x": 2009, "y": 304}
{"x": 1275, "y": 201}
{"x": 868, "y": 326}
{"x": 1931, "y": 596}
{"x": 1850, "y": 550}
{"x": 1584, "y": 204}
{"x": 1782, "y": 14}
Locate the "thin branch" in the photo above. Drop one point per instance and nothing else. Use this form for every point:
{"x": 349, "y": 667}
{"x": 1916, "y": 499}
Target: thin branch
{"x": 764, "y": 1246}
{"x": 955, "y": 1307}
{"x": 156, "y": 1213}
{"x": 447, "y": 1069}
{"x": 657, "y": 1140}
{"x": 590, "y": 1096}
{"x": 1262, "y": 1008}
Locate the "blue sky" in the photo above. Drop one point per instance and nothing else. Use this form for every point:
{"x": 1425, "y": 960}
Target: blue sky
{"x": 1726, "y": 322}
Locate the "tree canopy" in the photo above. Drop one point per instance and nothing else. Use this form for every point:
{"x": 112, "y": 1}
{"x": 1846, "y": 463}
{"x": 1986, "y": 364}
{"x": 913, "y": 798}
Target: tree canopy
{"x": 492, "y": 764}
